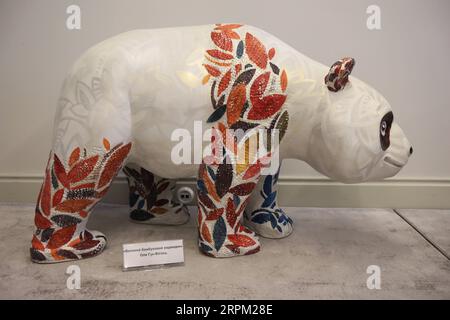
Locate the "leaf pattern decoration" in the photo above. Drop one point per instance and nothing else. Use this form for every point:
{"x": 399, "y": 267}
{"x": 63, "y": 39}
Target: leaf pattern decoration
{"x": 241, "y": 240}
{"x": 221, "y": 40}
{"x": 235, "y": 103}
{"x": 255, "y": 51}
{"x": 243, "y": 189}
{"x": 46, "y": 194}
{"x": 82, "y": 169}
{"x": 73, "y": 205}
{"x": 219, "y": 54}
{"x": 113, "y": 165}
{"x": 224, "y": 177}
{"x": 217, "y": 114}
{"x": 61, "y": 237}
{"x": 63, "y": 220}
{"x": 219, "y": 233}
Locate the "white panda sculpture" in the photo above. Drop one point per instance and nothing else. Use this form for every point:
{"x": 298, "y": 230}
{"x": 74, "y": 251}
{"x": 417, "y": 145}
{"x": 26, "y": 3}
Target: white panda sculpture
{"x": 128, "y": 101}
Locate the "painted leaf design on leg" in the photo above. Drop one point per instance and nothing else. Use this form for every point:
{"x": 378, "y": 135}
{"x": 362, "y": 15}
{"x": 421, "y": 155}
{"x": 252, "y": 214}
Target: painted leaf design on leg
{"x": 36, "y": 244}
{"x": 224, "y": 177}
{"x": 67, "y": 254}
{"x": 224, "y": 83}
{"x": 41, "y": 222}
{"x": 73, "y": 205}
{"x": 243, "y": 189}
{"x": 113, "y": 165}
{"x": 219, "y": 233}
{"x": 82, "y": 169}
{"x": 205, "y": 233}
{"x": 231, "y": 212}
{"x": 57, "y": 197}
{"x": 241, "y": 240}
{"x": 219, "y": 54}
{"x": 86, "y": 244}
{"x": 214, "y": 214}
{"x": 64, "y": 220}
{"x": 74, "y": 156}
{"x": 61, "y": 237}
{"x": 235, "y": 103}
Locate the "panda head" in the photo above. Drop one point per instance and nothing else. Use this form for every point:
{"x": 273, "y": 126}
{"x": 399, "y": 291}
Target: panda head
{"x": 356, "y": 138}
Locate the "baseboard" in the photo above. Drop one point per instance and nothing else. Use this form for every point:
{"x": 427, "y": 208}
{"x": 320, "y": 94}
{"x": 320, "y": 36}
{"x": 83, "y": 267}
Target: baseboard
{"x": 315, "y": 192}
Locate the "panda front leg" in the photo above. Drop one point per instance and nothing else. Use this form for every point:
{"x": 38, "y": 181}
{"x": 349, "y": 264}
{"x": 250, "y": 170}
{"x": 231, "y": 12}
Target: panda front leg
{"x": 263, "y": 215}
{"x": 152, "y": 199}
{"x": 72, "y": 186}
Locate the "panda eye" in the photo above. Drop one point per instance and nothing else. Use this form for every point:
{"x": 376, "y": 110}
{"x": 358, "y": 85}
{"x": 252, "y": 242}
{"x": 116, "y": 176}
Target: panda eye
{"x": 385, "y": 128}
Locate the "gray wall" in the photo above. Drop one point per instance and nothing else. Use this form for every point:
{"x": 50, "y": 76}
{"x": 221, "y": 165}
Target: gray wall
{"x": 408, "y": 60}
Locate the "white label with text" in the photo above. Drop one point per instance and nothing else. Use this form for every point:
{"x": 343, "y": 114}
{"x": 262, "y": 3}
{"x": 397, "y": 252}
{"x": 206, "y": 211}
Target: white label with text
{"x": 154, "y": 253}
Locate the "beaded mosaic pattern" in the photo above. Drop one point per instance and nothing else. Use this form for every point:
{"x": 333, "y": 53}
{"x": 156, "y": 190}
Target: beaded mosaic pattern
{"x": 248, "y": 91}
{"x": 69, "y": 192}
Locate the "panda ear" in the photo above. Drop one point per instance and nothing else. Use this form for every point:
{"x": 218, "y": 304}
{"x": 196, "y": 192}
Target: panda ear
{"x": 337, "y": 77}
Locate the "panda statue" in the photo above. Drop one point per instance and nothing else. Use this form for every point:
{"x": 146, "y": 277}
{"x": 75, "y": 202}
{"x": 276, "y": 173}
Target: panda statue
{"x": 136, "y": 101}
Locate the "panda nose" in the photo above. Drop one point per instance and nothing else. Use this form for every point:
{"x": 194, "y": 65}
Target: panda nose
{"x": 411, "y": 151}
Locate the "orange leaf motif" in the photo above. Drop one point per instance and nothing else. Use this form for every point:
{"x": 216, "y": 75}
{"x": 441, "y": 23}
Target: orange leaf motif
{"x": 271, "y": 53}
{"x": 235, "y": 103}
{"x": 241, "y": 240}
{"x": 211, "y": 70}
{"x": 36, "y": 244}
{"x": 73, "y": 205}
{"x": 266, "y": 107}
{"x": 221, "y": 40}
{"x": 205, "y": 233}
{"x": 74, "y": 156}
{"x": 255, "y": 50}
{"x": 219, "y": 54}
{"x": 41, "y": 222}
{"x": 231, "y": 212}
{"x": 57, "y": 197}
{"x": 283, "y": 80}
{"x": 106, "y": 144}
{"x": 227, "y": 26}
{"x": 113, "y": 165}
{"x": 252, "y": 171}
{"x": 82, "y": 169}
{"x": 224, "y": 83}
{"x": 61, "y": 237}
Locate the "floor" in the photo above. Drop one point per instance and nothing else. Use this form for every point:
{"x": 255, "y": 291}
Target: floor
{"x": 326, "y": 257}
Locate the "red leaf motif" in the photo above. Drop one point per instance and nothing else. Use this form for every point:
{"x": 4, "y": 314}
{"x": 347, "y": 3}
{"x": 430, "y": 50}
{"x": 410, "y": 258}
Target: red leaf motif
{"x": 219, "y": 54}
{"x": 113, "y": 165}
{"x": 206, "y": 235}
{"x": 255, "y": 50}
{"x": 241, "y": 240}
{"x": 243, "y": 189}
{"x": 231, "y": 213}
{"x": 215, "y": 214}
{"x": 61, "y": 237}
{"x": 41, "y": 222}
{"x": 74, "y": 156}
{"x": 211, "y": 70}
{"x": 36, "y": 244}
{"x": 57, "y": 197}
{"x": 82, "y": 169}
{"x": 221, "y": 40}
{"x": 60, "y": 171}
{"x": 235, "y": 103}
{"x": 265, "y": 107}
{"x": 229, "y": 26}
{"x": 106, "y": 144}
{"x": 271, "y": 53}
{"x": 46, "y": 194}
{"x": 73, "y": 205}
{"x": 224, "y": 83}
{"x": 259, "y": 86}
{"x": 252, "y": 171}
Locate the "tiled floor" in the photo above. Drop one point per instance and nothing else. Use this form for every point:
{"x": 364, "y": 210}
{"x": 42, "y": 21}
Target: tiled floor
{"x": 326, "y": 257}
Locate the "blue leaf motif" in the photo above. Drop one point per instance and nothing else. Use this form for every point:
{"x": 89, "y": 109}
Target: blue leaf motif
{"x": 236, "y": 200}
{"x": 269, "y": 200}
{"x": 141, "y": 204}
{"x": 240, "y": 49}
{"x": 219, "y": 233}
{"x": 268, "y": 185}
{"x": 201, "y": 186}
{"x": 273, "y": 221}
{"x": 204, "y": 247}
{"x": 217, "y": 114}
{"x": 261, "y": 218}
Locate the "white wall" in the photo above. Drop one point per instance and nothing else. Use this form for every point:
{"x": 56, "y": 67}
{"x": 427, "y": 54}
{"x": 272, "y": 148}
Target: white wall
{"x": 408, "y": 60}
